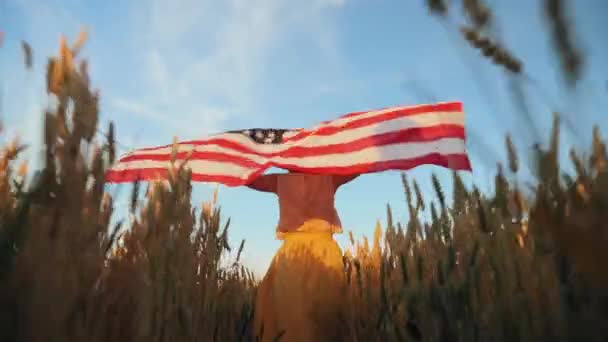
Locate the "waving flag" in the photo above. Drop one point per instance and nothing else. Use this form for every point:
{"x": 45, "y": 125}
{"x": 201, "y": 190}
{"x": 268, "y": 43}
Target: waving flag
{"x": 396, "y": 138}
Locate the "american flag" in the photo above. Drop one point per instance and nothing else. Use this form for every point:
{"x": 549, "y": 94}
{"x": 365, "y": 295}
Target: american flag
{"x": 396, "y": 138}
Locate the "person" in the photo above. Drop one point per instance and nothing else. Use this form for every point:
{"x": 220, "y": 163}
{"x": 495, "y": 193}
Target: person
{"x": 300, "y": 297}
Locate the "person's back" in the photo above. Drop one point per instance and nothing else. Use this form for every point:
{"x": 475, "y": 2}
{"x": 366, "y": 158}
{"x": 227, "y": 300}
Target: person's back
{"x": 304, "y": 198}
{"x": 307, "y": 199}
{"x": 300, "y": 294}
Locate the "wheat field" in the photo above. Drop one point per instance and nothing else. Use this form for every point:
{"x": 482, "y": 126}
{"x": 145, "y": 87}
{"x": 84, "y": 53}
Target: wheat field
{"x": 523, "y": 263}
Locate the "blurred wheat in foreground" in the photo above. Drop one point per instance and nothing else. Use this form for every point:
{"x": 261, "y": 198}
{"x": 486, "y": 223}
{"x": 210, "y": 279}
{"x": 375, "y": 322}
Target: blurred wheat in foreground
{"x": 516, "y": 265}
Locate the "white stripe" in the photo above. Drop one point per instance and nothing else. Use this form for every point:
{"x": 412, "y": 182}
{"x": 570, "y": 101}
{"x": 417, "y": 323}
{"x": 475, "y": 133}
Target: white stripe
{"x": 418, "y": 121}
{"x": 345, "y": 120}
{"x": 346, "y": 136}
{"x": 368, "y": 155}
{"x": 197, "y": 166}
{"x": 382, "y": 153}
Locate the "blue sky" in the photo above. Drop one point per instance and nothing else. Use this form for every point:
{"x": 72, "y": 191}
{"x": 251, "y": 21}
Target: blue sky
{"x": 188, "y": 68}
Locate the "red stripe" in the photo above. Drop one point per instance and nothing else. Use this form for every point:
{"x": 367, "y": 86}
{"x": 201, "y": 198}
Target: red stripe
{"x": 151, "y": 174}
{"x": 196, "y": 155}
{"x": 449, "y": 105}
{"x": 395, "y": 114}
{"x": 454, "y": 107}
{"x": 452, "y": 161}
{"x": 410, "y": 135}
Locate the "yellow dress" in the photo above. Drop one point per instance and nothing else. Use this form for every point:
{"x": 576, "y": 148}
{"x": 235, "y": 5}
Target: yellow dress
{"x": 301, "y": 295}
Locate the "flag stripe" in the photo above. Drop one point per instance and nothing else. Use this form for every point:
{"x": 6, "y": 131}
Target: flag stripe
{"x": 371, "y": 154}
{"x": 437, "y": 112}
{"x": 230, "y": 152}
{"x": 403, "y": 110}
{"x": 243, "y": 144}
{"x": 375, "y": 117}
{"x": 452, "y": 161}
{"x": 360, "y": 142}
{"x": 219, "y": 154}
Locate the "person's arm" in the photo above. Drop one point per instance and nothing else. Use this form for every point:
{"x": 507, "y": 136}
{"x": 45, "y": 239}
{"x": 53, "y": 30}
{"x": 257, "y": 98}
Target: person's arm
{"x": 265, "y": 183}
{"x": 343, "y": 179}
